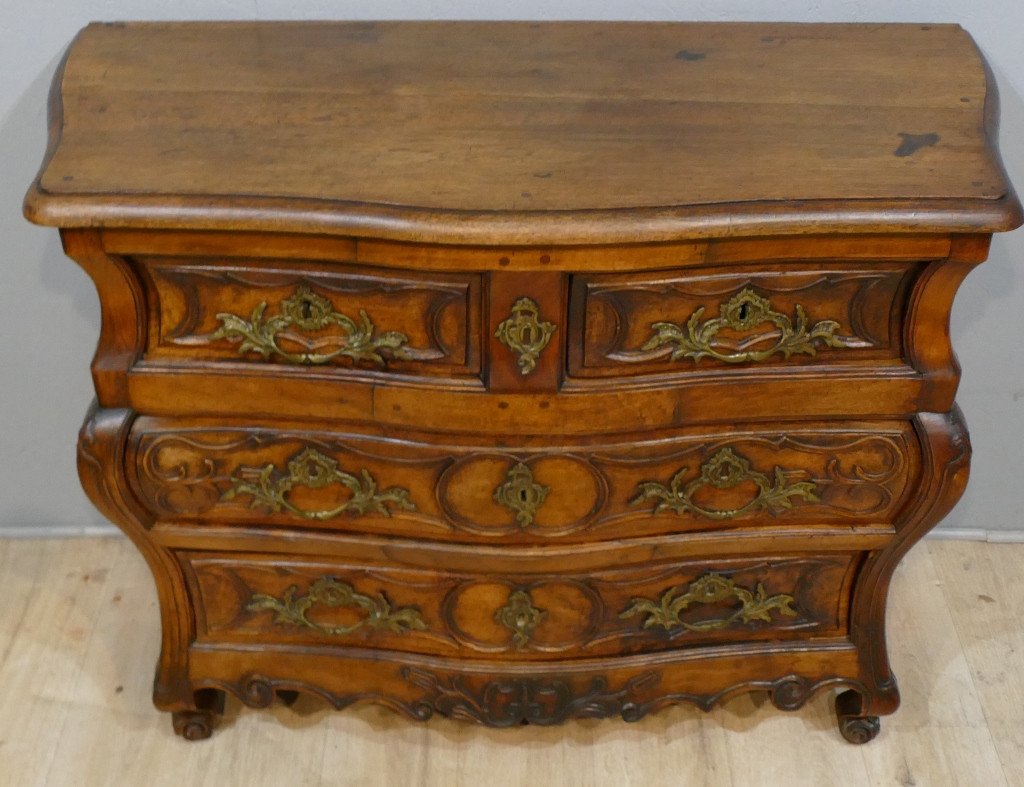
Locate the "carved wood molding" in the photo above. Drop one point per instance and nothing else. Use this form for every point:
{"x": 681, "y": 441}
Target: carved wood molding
{"x": 528, "y": 616}
{"x": 542, "y": 700}
{"x": 767, "y": 333}
{"x": 188, "y": 280}
{"x": 840, "y": 475}
{"x": 507, "y": 702}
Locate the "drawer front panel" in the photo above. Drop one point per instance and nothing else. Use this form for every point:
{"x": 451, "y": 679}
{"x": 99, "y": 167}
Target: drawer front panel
{"x": 666, "y": 323}
{"x": 694, "y": 481}
{"x": 535, "y": 616}
{"x": 336, "y": 318}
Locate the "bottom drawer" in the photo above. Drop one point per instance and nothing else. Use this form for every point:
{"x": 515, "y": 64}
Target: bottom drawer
{"x": 261, "y": 599}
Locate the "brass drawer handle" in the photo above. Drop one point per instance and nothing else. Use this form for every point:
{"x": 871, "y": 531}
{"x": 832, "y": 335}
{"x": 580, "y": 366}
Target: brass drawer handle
{"x": 709, "y": 589}
{"x": 525, "y": 333}
{"x": 269, "y": 487}
{"x": 725, "y": 470}
{"x": 307, "y": 311}
{"x": 742, "y": 312}
{"x": 291, "y": 611}
{"x": 521, "y": 494}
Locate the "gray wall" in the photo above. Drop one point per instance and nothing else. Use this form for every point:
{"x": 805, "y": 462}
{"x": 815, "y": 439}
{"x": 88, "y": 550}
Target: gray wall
{"x": 49, "y": 313}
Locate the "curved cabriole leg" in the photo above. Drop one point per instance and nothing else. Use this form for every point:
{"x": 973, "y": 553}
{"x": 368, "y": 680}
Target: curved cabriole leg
{"x": 946, "y": 453}
{"x": 854, "y": 726}
{"x": 101, "y": 462}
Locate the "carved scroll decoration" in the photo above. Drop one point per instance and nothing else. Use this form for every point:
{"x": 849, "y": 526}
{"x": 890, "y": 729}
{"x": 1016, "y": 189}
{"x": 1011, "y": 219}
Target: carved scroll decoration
{"x": 507, "y": 702}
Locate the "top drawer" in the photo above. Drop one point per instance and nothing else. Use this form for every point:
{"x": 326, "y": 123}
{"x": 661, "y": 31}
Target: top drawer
{"x": 674, "y": 322}
{"x": 338, "y": 318}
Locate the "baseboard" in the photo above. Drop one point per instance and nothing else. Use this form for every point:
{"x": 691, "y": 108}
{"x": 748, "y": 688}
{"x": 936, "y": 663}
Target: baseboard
{"x": 104, "y": 531}
{"x": 58, "y": 531}
{"x": 977, "y": 534}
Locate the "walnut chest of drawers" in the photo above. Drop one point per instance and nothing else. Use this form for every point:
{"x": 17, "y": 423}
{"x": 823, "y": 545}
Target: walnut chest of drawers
{"x": 524, "y": 372}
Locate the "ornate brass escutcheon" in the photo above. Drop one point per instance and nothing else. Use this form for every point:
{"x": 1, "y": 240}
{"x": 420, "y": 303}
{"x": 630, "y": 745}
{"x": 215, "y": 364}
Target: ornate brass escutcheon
{"x": 525, "y": 333}
{"x": 743, "y": 312}
{"x": 520, "y": 617}
{"x": 269, "y": 488}
{"x": 329, "y": 592}
{"x": 309, "y": 312}
{"x": 521, "y": 494}
{"x": 725, "y": 470}
{"x": 709, "y": 589}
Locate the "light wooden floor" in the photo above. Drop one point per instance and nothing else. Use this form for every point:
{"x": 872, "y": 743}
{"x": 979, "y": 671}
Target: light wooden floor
{"x": 78, "y": 640}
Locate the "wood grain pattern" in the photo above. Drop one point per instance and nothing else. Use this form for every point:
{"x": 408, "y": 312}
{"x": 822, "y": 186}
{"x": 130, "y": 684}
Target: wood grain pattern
{"x": 431, "y": 508}
{"x": 589, "y": 258}
{"x": 437, "y": 316}
{"x": 859, "y": 474}
{"x": 581, "y": 615}
{"x": 616, "y": 314}
{"x": 527, "y": 113}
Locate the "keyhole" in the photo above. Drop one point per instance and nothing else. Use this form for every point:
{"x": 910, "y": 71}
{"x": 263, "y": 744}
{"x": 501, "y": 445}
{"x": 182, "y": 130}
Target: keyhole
{"x": 523, "y": 497}
{"x": 743, "y": 311}
{"x": 307, "y": 310}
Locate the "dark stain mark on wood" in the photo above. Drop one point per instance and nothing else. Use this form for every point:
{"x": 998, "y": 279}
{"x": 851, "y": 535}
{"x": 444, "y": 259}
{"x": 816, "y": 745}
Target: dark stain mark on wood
{"x": 914, "y": 142}
{"x": 686, "y": 54}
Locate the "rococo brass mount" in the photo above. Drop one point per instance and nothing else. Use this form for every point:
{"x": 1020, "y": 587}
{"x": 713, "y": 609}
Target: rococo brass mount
{"x": 328, "y": 592}
{"x": 520, "y": 617}
{"x": 744, "y": 311}
{"x": 725, "y": 470}
{"x": 525, "y": 333}
{"x": 709, "y": 589}
{"x": 521, "y": 494}
{"x": 309, "y": 312}
{"x": 312, "y": 469}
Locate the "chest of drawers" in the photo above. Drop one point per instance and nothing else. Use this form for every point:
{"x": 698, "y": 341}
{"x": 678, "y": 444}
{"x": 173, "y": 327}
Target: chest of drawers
{"x": 517, "y": 372}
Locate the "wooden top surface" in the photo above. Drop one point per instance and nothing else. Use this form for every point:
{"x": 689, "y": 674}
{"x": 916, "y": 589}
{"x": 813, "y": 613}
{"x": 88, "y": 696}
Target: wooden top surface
{"x": 482, "y": 132}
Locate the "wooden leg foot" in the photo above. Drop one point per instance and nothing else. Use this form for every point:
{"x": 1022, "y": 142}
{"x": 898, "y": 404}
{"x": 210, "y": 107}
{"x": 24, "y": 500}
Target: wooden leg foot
{"x": 196, "y": 724}
{"x": 853, "y": 726}
{"x": 193, "y": 725}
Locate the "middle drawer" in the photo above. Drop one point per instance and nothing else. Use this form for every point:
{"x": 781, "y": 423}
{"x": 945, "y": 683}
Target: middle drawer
{"x": 479, "y": 490}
